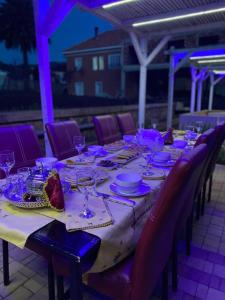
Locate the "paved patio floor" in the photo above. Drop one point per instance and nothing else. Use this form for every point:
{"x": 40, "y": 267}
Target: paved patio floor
{"x": 201, "y": 276}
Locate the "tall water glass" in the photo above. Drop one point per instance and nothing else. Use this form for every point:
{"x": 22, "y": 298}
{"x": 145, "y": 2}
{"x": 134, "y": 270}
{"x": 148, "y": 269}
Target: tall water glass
{"x": 79, "y": 143}
{"x": 85, "y": 184}
{"x": 7, "y": 161}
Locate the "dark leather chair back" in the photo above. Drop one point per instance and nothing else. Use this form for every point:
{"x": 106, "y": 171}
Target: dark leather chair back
{"x": 155, "y": 244}
{"x": 60, "y": 135}
{"x": 126, "y": 123}
{"x": 106, "y": 128}
{"x": 23, "y": 140}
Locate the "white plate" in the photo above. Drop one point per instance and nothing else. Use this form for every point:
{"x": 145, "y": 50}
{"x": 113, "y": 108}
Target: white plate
{"x": 143, "y": 190}
{"x": 167, "y": 164}
{"x": 154, "y": 173}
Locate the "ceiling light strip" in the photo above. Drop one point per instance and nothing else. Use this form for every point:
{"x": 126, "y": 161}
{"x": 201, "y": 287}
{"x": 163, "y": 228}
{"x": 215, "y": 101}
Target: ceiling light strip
{"x": 106, "y": 6}
{"x": 209, "y": 61}
{"x": 219, "y": 72}
{"x": 179, "y": 17}
{"x": 207, "y": 56}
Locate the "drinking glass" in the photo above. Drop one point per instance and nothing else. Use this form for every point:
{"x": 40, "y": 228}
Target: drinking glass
{"x": 199, "y": 126}
{"x": 79, "y": 143}
{"x": 154, "y": 123}
{"x": 7, "y": 161}
{"x": 85, "y": 184}
{"x": 23, "y": 174}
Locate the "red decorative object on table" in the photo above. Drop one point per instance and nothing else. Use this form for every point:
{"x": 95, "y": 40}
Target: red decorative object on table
{"x": 53, "y": 192}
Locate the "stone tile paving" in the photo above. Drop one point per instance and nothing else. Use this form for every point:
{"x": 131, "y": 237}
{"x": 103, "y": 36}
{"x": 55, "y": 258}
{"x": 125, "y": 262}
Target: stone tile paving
{"x": 201, "y": 276}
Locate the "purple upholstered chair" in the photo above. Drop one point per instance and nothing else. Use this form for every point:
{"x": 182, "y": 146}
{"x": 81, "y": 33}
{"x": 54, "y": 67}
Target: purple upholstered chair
{"x": 106, "y": 128}
{"x": 60, "y": 135}
{"x": 126, "y": 123}
{"x": 211, "y": 137}
{"x": 23, "y": 140}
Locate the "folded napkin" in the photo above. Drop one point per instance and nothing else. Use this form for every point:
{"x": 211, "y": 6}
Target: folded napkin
{"x": 100, "y": 208}
{"x": 53, "y": 192}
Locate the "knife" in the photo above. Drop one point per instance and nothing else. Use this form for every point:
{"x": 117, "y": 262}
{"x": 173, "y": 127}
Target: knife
{"x": 117, "y": 199}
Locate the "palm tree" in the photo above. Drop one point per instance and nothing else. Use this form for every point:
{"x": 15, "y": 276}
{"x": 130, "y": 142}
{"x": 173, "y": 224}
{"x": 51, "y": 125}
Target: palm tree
{"x": 17, "y": 29}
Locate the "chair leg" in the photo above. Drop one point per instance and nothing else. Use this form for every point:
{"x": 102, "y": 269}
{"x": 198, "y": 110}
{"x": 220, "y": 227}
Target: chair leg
{"x": 60, "y": 287}
{"x": 51, "y": 282}
{"x": 210, "y": 187}
{"x": 165, "y": 283}
{"x": 5, "y": 254}
{"x": 203, "y": 198}
{"x": 174, "y": 265}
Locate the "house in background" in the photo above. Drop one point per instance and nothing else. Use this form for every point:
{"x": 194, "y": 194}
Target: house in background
{"x": 96, "y": 66}
{"x": 106, "y": 65}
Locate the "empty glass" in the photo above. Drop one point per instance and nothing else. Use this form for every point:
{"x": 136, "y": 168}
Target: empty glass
{"x": 23, "y": 174}
{"x": 85, "y": 184}
{"x": 7, "y": 161}
{"x": 199, "y": 126}
{"x": 79, "y": 143}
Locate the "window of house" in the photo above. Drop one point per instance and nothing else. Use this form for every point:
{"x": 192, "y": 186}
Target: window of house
{"x": 97, "y": 63}
{"x": 78, "y": 63}
{"x": 208, "y": 40}
{"x": 98, "y": 88}
{"x": 114, "y": 61}
{"x": 79, "y": 88}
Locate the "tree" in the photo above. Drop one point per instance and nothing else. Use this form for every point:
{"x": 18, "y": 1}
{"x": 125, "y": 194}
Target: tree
{"x": 17, "y": 29}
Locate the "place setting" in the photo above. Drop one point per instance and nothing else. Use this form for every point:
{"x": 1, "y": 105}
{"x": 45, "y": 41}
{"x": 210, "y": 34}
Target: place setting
{"x": 129, "y": 185}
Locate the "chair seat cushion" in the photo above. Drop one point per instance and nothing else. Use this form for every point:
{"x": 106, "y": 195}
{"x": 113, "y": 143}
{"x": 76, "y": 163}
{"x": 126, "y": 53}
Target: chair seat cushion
{"x": 114, "y": 282}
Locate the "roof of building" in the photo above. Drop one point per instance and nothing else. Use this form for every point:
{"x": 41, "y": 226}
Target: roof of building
{"x": 105, "y": 39}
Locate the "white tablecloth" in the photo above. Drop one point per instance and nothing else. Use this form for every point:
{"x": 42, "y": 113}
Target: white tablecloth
{"x": 118, "y": 239}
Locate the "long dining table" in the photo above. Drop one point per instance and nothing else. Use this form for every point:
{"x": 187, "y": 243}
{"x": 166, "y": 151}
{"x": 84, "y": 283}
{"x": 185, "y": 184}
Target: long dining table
{"x": 91, "y": 248}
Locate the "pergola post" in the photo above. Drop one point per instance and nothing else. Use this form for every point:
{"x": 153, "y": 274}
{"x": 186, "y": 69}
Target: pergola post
{"x": 141, "y": 48}
{"x": 142, "y": 85}
{"x": 40, "y": 10}
{"x": 47, "y": 19}
{"x": 193, "y": 89}
{"x": 175, "y": 65}
{"x": 213, "y": 82}
{"x": 203, "y": 77}
{"x": 211, "y": 91}
{"x": 171, "y": 91}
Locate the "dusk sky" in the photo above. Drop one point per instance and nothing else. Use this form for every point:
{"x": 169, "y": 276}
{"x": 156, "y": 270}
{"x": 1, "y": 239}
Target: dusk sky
{"x": 77, "y": 27}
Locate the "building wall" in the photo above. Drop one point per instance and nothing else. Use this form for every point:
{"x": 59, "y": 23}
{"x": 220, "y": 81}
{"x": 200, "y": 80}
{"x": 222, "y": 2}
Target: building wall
{"x": 110, "y": 78}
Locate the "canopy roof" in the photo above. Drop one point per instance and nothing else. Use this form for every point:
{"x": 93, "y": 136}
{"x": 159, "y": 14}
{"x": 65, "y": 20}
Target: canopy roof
{"x": 162, "y": 16}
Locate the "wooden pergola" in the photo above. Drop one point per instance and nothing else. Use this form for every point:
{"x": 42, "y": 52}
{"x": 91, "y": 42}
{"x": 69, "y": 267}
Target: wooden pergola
{"x": 143, "y": 20}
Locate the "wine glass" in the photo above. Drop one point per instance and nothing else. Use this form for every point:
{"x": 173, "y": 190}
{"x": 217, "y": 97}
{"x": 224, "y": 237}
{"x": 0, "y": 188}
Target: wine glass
{"x": 85, "y": 184}
{"x": 7, "y": 161}
{"x": 79, "y": 143}
{"x": 199, "y": 126}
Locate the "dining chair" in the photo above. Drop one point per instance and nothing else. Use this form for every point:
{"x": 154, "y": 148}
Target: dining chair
{"x": 126, "y": 123}
{"x": 220, "y": 129}
{"x": 60, "y": 135}
{"x": 106, "y": 129}
{"x": 23, "y": 140}
{"x": 195, "y": 160}
{"x": 209, "y": 137}
{"x": 137, "y": 275}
